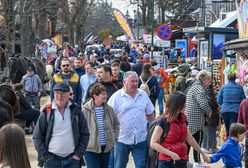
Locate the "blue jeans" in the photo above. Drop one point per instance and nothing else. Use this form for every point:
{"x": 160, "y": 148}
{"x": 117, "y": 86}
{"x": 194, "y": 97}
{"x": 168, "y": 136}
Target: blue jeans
{"x": 97, "y": 160}
{"x": 172, "y": 164}
{"x": 229, "y": 118}
{"x": 209, "y": 138}
{"x": 122, "y": 151}
{"x": 161, "y": 100}
{"x": 111, "y": 159}
{"x": 60, "y": 162}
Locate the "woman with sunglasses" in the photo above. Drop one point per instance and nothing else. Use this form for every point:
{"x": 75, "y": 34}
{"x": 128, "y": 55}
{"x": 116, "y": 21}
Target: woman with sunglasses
{"x": 173, "y": 150}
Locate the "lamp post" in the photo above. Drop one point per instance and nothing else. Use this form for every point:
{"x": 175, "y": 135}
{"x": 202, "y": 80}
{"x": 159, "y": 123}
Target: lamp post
{"x": 152, "y": 29}
{"x": 137, "y": 16}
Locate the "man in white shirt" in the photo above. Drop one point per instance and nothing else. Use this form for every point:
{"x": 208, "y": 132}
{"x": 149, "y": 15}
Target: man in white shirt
{"x": 133, "y": 108}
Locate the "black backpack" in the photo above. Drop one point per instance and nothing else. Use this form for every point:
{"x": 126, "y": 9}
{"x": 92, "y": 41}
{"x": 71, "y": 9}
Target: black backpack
{"x": 153, "y": 154}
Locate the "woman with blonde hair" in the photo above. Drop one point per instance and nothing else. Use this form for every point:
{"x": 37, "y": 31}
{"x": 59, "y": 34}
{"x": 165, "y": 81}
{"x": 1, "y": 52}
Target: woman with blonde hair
{"x": 13, "y": 149}
{"x": 147, "y": 77}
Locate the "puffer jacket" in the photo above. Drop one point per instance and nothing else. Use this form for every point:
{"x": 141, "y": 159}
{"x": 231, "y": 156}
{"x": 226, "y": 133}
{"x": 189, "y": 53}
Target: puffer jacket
{"x": 175, "y": 139}
{"x": 111, "y": 127}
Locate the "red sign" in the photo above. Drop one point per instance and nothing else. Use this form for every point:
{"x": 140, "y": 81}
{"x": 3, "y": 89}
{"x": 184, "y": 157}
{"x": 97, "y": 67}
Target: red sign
{"x": 164, "y": 32}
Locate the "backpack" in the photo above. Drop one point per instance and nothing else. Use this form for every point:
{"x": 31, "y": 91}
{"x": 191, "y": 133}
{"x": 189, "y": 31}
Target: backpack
{"x": 48, "y": 111}
{"x": 153, "y": 154}
{"x": 160, "y": 79}
{"x": 144, "y": 86}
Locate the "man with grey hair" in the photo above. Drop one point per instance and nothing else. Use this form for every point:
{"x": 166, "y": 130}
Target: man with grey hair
{"x": 133, "y": 108}
{"x": 197, "y": 108}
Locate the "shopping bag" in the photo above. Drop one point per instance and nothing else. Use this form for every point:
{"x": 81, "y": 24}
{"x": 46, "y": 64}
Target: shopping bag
{"x": 223, "y": 134}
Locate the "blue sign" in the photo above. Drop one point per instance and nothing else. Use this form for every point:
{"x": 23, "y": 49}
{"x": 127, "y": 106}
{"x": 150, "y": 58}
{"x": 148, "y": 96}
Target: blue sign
{"x": 164, "y": 32}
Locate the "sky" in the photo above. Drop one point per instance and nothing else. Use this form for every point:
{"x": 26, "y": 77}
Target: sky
{"x": 123, "y": 6}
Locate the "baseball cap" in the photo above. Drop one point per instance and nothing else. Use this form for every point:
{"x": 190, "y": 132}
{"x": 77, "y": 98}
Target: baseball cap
{"x": 194, "y": 72}
{"x": 63, "y": 86}
{"x": 30, "y": 68}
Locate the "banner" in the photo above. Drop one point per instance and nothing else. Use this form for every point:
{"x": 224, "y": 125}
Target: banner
{"x": 219, "y": 43}
{"x": 124, "y": 24}
{"x": 242, "y": 13}
{"x": 182, "y": 45}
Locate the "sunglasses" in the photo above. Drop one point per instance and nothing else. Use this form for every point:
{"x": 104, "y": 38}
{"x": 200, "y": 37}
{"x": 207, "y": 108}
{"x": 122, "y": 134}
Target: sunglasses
{"x": 66, "y": 65}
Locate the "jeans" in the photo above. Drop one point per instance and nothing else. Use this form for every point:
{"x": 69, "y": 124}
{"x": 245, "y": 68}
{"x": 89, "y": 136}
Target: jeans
{"x": 111, "y": 159}
{"x": 229, "y": 118}
{"x": 198, "y": 139}
{"x": 97, "y": 160}
{"x": 33, "y": 100}
{"x": 161, "y": 100}
{"x": 172, "y": 164}
{"x": 121, "y": 154}
{"x": 209, "y": 138}
{"x": 60, "y": 162}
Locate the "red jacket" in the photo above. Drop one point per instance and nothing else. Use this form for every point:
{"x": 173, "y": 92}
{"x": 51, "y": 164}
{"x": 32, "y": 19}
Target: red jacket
{"x": 166, "y": 77}
{"x": 176, "y": 138}
{"x": 243, "y": 114}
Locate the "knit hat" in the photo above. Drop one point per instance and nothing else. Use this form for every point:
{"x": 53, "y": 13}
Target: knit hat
{"x": 183, "y": 70}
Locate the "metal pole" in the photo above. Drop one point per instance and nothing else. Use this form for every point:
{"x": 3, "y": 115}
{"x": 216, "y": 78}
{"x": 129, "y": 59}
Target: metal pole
{"x": 138, "y": 19}
{"x": 152, "y": 28}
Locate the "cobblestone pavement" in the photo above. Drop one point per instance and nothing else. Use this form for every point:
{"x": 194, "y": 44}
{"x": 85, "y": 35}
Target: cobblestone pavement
{"x": 33, "y": 154}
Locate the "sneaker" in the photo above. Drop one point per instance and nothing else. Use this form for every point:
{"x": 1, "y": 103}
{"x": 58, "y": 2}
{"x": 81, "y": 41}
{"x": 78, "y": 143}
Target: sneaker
{"x": 196, "y": 165}
{"x": 214, "y": 150}
{"x": 207, "y": 151}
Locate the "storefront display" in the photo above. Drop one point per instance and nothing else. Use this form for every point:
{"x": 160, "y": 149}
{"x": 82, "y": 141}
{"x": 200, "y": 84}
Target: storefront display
{"x": 217, "y": 75}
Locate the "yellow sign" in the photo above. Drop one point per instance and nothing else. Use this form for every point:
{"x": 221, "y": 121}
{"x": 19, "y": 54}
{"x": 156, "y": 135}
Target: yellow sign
{"x": 124, "y": 24}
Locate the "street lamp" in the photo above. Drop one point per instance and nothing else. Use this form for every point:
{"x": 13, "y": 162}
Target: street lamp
{"x": 152, "y": 28}
{"x": 137, "y": 20}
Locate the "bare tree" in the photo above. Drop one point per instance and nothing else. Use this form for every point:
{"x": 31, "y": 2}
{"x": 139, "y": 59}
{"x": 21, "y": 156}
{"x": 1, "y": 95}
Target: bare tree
{"x": 9, "y": 13}
{"x": 26, "y": 31}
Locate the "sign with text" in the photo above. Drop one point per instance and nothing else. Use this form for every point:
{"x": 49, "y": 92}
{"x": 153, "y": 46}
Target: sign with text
{"x": 163, "y": 43}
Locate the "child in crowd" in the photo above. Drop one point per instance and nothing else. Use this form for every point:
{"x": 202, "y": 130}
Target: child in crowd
{"x": 230, "y": 152}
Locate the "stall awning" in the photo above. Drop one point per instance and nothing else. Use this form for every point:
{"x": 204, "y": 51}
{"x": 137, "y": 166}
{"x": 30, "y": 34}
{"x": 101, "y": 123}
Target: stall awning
{"x": 238, "y": 44}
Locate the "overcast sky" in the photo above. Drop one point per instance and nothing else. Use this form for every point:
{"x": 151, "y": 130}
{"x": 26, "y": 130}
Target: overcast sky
{"x": 123, "y": 6}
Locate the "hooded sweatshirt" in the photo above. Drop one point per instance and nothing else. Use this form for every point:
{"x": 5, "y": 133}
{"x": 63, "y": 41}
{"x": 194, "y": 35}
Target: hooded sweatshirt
{"x": 183, "y": 71}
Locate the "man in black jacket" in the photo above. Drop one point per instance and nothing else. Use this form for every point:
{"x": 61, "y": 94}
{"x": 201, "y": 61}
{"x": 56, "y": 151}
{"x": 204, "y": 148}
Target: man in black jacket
{"x": 104, "y": 76}
{"x": 61, "y": 135}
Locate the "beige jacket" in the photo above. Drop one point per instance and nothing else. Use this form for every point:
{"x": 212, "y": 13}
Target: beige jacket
{"x": 111, "y": 127}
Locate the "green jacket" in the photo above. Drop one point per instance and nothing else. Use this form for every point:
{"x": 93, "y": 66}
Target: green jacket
{"x": 111, "y": 127}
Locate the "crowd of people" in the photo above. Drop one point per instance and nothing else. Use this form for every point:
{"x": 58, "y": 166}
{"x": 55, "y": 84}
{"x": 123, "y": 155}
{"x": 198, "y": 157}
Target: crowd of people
{"x": 101, "y": 108}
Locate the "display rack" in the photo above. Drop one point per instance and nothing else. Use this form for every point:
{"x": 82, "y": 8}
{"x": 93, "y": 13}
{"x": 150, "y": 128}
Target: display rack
{"x": 217, "y": 75}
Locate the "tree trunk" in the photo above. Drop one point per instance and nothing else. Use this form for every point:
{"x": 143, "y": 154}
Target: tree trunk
{"x": 78, "y": 35}
{"x": 150, "y": 14}
{"x": 53, "y": 14}
{"x": 42, "y": 24}
{"x": 9, "y": 15}
{"x": 71, "y": 35}
{"x": 143, "y": 10}
{"x": 26, "y": 31}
